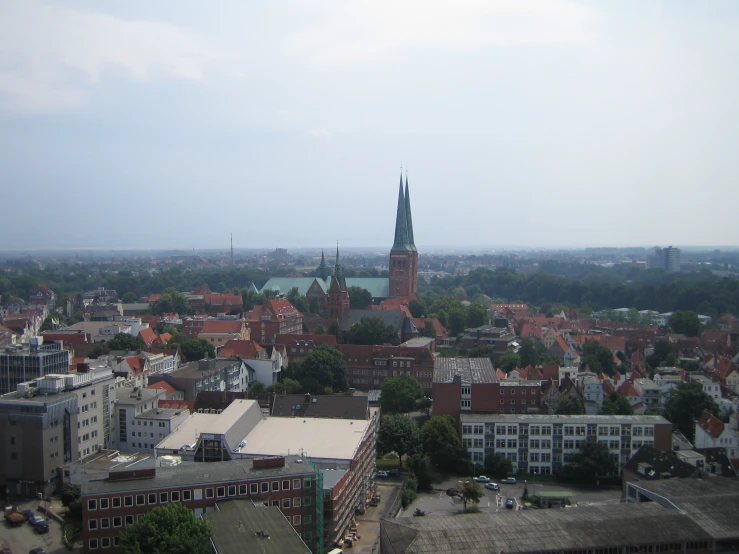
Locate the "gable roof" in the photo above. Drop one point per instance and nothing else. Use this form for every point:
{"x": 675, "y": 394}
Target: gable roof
{"x": 163, "y": 385}
{"x": 148, "y": 336}
{"x": 245, "y": 349}
{"x": 221, "y": 326}
{"x": 303, "y": 284}
{"x": 712, "y": 425}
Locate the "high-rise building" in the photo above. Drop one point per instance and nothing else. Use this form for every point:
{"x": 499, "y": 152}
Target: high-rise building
{"x": 664, "y": 258}
{"x": 22, "y": 362}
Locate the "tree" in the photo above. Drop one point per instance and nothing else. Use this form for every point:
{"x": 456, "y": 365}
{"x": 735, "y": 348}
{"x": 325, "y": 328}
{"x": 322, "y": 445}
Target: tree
{"x": 471, "y": 493}
{"x": 441, "y": 442}
{"x": 359, "y": 298}
{"x": 314, "y": 304}
{"x": 424, "y": 405}
{"x": 663, "y": 355}
{"x": 288, "y": 386}
{"x": 597, "y": 357}
{"x": 173, "y": 529}
{"x": 417, "y": 465}
{"x": 567, "y": 405}
{"x": 509, "y": 361}
{"x": 130, "y": 298}
{"x": 193, "y": 349}
{"x": 372, "y": 330}
{"x": 257, "y": 387}
{"x": 686, "y": 404}
{"x": 477, "y": 315}
{"x": 497, "y": 465}
{"x": 594, "y": 459}
{"x": 457, "y": 319}
{"x": 324, "y": 367}
{"x": 299, "y": 301}
{"x": 171, "y": 301}
{"x": 417, "y": 308}
{"x": 49, "y": 323}
{"x": 686, "y": 323}
{"x": 399, "y": 394}
{"x": 71, "y": 497}
{"x": 319, "y": 330}
{"x": 124, "y": 341}
{"x": 398, "y": 433}
{"x": 333, "y": 328}
{"x": 428, "y": 329}
{"x": 615, "y": 404}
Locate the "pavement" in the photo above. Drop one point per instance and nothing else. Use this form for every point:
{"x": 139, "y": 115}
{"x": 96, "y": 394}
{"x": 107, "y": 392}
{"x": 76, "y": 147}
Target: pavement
{"x": 438, "y": 503}
{"x": 369, "y": 523}
{"x": 22, "y": 539}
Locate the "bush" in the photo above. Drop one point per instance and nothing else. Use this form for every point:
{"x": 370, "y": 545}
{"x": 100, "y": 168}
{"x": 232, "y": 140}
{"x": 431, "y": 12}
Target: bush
{"x": 407, "y": 497}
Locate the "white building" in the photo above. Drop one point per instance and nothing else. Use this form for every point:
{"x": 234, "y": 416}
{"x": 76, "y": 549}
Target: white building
{"x": 542, "y": 444}
{"x": 710, "y": 387}
{"x": 127, "y": 430}
{"x": 591, "y": 388}
{"x": 711, "y": 432}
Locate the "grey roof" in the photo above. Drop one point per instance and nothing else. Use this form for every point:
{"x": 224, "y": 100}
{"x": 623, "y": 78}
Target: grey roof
{"x": 713, "y": 504}
{"x": 332, "y": 476}
{"x": 344, "y": 407}
{"x": 541, "y": 530}
{"x": 192, "y": 473}
{"x": 471, "y": 370}
{"x": 390, "y": 317}
{"x": 236, "y": 523}
{"x": 658, "y": 465}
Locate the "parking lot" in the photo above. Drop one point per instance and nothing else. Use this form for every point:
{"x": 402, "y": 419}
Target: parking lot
{"x": 438, "y": 502}
{"x": 21, "y": 539}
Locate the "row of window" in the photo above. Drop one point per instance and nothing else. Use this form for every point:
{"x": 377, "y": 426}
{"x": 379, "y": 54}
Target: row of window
{"x": 197, "y": 494}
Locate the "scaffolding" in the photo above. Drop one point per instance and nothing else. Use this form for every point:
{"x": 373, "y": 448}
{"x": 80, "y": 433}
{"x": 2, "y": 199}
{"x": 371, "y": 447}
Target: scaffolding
{"x": 318, "y": 491}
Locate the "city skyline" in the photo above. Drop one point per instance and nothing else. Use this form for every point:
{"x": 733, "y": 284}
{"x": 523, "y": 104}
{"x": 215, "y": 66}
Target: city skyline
{"x": 542, "y": 124}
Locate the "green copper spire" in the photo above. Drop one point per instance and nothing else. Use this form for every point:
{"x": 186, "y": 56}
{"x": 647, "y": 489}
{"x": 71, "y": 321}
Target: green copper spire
{"x": 409, "y": 219}
{"x": 401, "y": 242}
{"x": 323, "y": 268}
{"x": 337, "y": 267}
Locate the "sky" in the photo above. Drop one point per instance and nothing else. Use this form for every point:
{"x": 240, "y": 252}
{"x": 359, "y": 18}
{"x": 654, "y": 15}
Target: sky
{"x": 528, "y": 123}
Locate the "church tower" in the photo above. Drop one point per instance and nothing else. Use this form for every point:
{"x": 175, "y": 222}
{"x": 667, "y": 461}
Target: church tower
{"x": 403, "y": 255}
{"x": 323, "y": 268}
{"x": 337, "y": 297}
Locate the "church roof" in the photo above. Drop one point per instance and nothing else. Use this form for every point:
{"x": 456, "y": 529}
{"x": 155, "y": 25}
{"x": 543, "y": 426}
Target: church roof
{"x": 403, "y": 221}
{"x": 284, "y": 284}
{"x": 378, "y": 287}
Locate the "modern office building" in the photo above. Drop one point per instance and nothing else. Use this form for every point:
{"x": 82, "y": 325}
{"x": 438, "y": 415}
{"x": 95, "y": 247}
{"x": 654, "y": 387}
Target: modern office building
{"x": 23, "y": 362}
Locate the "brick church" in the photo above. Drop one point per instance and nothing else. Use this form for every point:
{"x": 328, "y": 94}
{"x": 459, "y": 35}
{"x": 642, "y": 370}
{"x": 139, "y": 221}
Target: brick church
{"x": 332, "y": 289}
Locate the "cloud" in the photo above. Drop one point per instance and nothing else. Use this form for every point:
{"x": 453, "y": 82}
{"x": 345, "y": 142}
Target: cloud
{"x": 365, "y": 32}
{"x": 321, "y": 134}
{"x": 51, "y": 56}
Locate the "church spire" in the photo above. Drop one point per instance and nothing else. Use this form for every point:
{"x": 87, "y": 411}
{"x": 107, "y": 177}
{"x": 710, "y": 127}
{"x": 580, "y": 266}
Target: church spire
{"x": 323, "y": 268}
{"x": 401, "y": 222}
{"x": 409, "y": 219}
{"x": 337, "y": 266}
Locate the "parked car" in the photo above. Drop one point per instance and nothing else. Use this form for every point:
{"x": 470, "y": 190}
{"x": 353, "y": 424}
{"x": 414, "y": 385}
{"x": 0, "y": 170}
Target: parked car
{"x": 394, "y": 473}
{"x": 381, "y": 474}
{"x": 28, "y": 513}
{"x": 492, "y": 486}
{"x": 451, "y": 491}
{"x": 509, "y": 504}
{"x": 37, "y": 550}
{"x": 508, "y": 481}
{"x": 482, "y": 479}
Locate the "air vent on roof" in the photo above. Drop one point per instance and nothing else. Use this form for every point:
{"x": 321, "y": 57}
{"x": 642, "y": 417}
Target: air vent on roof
{"x": 314, "y": 400}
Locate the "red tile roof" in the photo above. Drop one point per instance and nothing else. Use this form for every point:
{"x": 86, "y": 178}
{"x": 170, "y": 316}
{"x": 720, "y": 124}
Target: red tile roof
{"x": 711, "y": 425}
{"x": 148, "y": 336}
{"x": 177, "y": 404}
{"x": 222, "y": 326}
{"x": 550, "y": 372}
{"x": 217, "y": 299}
{"x": 627, "y": 389}
{"x": 724, "y": 368}
{"x": 244, "y": 349}
{"x": 136, "y": 363}
{"x": 439, "y": 329}
{"x": 163, "y": 385}
{"x": 164, "y": 338}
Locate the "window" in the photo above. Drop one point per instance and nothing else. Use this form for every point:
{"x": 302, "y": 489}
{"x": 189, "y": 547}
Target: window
{"x": 92, "y": 524}
{"x": 286, "y": 485}
{"x": 129, "y": 520}
{"x": 152, "y": 498}
{"x": 116, "y": 501}
{"x": 175, "y": 496}
{"x": 117, "y": 521}
{"x": 140, "y": 500}
{"x": 276, "y": 503}
{"x": 307, "y": 501}
{"x": 105, "y": 523}
{"x": 93, "y": 544}
{"x": 104, "y": 504}
{"x": 296, "y": 502}
{"x": 220, "y": 492}
{"x": 466, "y": 403}
{"x": 209, "y": 493}
{"x": 105, "y": 542}
{"x": 275, "y": 486}
{"x": 253, "y": 488}
{"x": 265, "y": 487}
{"x": 306, "y": 483}
{"x": 186, "y": 495}
{"x": 466, "y": 391}
{"x": 296, "y": 520}
{"x": 128, "y": 501}
{"x": 232, "y": 490}
{"x": 163, "y": 497}
{"x": 92, "y": 504}
{"x": 285, "y": 502}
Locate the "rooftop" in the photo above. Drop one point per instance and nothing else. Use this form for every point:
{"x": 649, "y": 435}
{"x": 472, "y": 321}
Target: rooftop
{"x": 568, "y": 419}
{"x": 537, "y": 530}
{"x": 305, "y": 405}
{"x": 471, "y": 370}
{"x": 237, "y": 523}
{"x": 163, "y": 414}
{"x": 196, "y": 472}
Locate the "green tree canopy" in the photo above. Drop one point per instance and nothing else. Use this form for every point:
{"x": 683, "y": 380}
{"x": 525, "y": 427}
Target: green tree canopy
{"x": 424, "y": 404}
{"x": 359, "y": 298}
{"x": 257, "y": 387}
{"x": 193, "y": 349}
{"x": 508, "y": 361}
{"x": 324, "y": 367}
{"x": 173, "y": 529}
{"x": 497, "y": 465}
{"x": 130, "y": 298}
{"x": 372, "y": 330}
{"x": 597, "y": 357}
{"x": 399, "y": 394}
{"x": 288, "y": 386}
{"x": 686, "y": 323}
{"x": 71, "y": 497}
{"x": 686, "y": 404}
{"x": 398, "y": 433}
{"x": 299, "y": 301}
{"x": 663, "y": 355}
{"x": 567, "y": 405}
{"x": 441, "y": 442}
{"x": 477, "y": 315}
{"x": 124, "y": 341}
{"x": 418, "y": 308}
{"x": 594, "y": 460}
{"x": 471, "y": 493}
{"x": 615, "y": 404}
{"x": 171, "y": 301}
{"x": 314, "y": 304}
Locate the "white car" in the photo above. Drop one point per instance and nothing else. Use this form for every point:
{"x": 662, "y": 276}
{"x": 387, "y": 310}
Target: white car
{"x": 482, "y": 479}
{"x": 508, "y": 481}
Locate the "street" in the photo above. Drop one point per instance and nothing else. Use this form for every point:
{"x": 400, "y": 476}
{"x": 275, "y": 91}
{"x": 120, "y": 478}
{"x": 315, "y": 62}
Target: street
{"x": 22, "y": 539}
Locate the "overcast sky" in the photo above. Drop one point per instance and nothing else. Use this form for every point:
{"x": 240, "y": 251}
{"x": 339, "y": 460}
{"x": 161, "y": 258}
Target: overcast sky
{"x": 163, "y": 124}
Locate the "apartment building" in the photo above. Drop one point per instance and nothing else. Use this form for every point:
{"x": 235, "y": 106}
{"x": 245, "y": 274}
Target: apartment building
{"x": 130, "y": 491}
{"x": 369, "y": 366}
{"x": 207, "y": 375}
{"x": 49, "y": 422}
{"x": 542, "y": 444}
